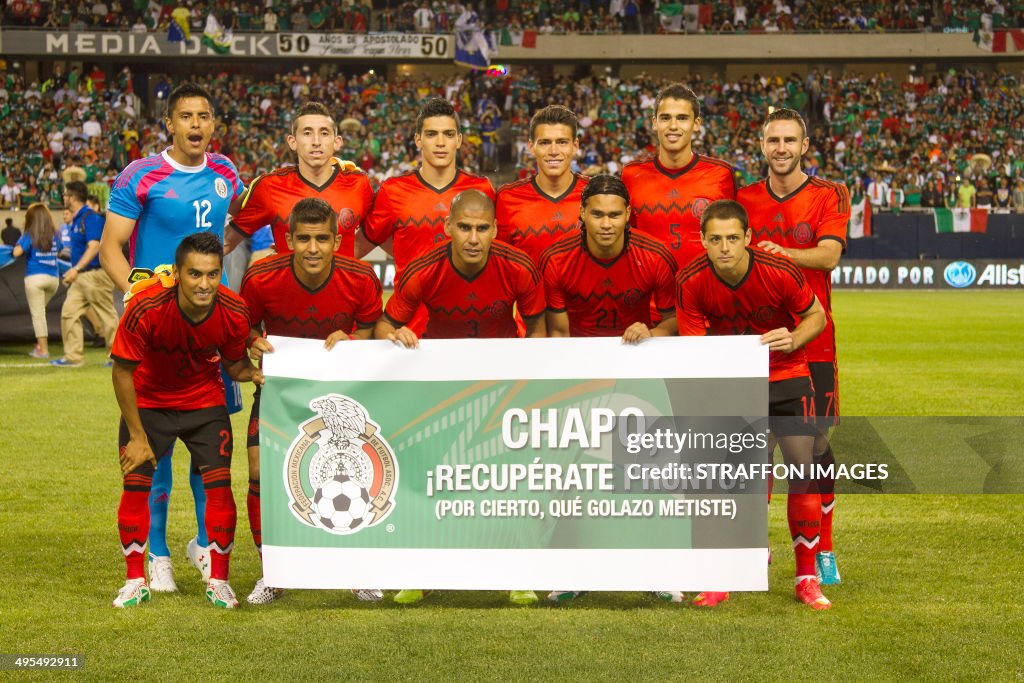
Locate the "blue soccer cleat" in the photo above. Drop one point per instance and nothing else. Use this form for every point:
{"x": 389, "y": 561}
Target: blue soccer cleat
{"x": 826, "y": 569}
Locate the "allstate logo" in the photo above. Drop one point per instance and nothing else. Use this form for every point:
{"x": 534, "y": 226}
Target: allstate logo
{"x": 960, "y": 274}
{"x": 340, "y": 473}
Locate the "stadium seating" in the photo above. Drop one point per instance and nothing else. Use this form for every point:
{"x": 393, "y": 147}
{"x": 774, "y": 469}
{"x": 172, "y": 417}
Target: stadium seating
{"x": 559, "y": 16}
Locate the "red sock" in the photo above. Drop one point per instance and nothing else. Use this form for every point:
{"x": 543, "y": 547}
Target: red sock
{"x": 252, "y": 502}
{"x": 804, "y": 513}
{"x": 771, "y": 484}
{"x": 221, "y": 517}
{"x": 133, "y": 524}
{"x": 827, "y": 488}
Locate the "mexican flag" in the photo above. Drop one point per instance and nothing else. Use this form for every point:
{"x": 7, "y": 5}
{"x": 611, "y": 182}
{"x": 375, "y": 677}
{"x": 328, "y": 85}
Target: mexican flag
{"x": 961, "y": 220}
{"x": 860, "y": 219}
{"x": 215, "y": 36}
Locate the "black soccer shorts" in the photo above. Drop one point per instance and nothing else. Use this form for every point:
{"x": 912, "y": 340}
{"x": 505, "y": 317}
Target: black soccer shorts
{"x": 206, "y": 433}
{"x": 791, "y": 407}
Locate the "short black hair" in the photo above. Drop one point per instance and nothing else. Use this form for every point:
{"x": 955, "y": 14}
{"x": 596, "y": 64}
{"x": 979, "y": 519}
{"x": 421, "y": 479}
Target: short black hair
{"x": 312, "y": 211}
{"x": 199, "y": 243}
{"x": 312, "y": 109}
{"x": 604, "y": 183}
{"x": 187, "y": 90}
{"x": 78, "y": 190}
{"x": 786, "y": 114}
{"x": 437, "y": 106}
{"x": 554, "y": 115}
{"x": 678, "y": 91}
{"x": 723, "y": 210}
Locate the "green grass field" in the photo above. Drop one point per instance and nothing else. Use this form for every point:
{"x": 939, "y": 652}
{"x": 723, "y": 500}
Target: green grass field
{"x": 929, "y": 587}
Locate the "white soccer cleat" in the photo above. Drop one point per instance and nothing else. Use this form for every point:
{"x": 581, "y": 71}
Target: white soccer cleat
{"x": 220, "y": 594}
{"x": 262, "y": 594}
{"x": 199, "y": 557}
{"x": 368, "y": 594}
{"x": 670, "y": 596}
{"x": 132, "y": 594}
{"x": 161, "y": 574}
{"x": 564, "y": 596}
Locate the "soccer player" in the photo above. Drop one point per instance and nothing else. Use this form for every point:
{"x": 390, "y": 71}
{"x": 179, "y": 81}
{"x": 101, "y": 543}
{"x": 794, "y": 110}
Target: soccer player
{"x": 154, "y": 203}
{"x": 805, "y": 218}
{"x": 602, "y": 281}
{"x": 314, "y": 139}
{"x": 469, "y": 286}
{"x": 532, "y": 214}
{"x": 311, "y": 292}
{"x": 669, "y": 192}
{"x": 172, "y": 340}
{"x": 410, "y": 209}
{"x": 605, "y": 280}
{"x": 738, "y": 290}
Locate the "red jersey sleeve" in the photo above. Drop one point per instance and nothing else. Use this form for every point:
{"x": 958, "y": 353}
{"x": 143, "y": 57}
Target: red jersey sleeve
{"x": 797, "y": 294}
{"x": 380, "y": 222}
{"x": 254, "y": 213}
{"x": 530, "y": 300}
{"x": 131, "y": 341}
{"x": 403, "y": 303}
{"x": 366, "y": 196}
{"x": 237, "y": 324}
{"x": 371, "y": 308}
{"x": 554, "y": 292}
{"x": 250, "y": 292}
{"x": 688, "y": 311}
{"x": 836, "y": 216}
{"x": 664, "y": 289}
{"x": 503, "y": 218}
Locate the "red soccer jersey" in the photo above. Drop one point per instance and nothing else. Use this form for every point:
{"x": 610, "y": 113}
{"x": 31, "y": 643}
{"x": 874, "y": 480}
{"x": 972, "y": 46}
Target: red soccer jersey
{"x": 177, "y": 360}
{"x": 603, "y": 298}
{"x": 411, "y": 212}
{"x": 459, "y": 307}
{"x": 350, "y": 298}
{"x": 667, "y": 203}
{"x": 771, "y": 295}
{"x": 533, "y": 221}
{"x": 271, "y": 197}
{"x": 818, "y": 210}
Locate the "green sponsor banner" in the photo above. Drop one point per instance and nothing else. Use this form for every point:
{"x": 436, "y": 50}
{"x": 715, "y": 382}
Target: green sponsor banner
{"x": 380, "y": 458}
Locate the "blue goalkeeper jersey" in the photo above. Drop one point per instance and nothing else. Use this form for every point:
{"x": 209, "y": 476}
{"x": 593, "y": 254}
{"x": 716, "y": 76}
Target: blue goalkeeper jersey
{"x": 169, "y": 201}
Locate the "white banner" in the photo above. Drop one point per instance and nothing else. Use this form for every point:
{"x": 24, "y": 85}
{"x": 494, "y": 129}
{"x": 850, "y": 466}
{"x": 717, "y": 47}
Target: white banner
{"x": 492, "y": 464}
{"x": 405, "y": 45}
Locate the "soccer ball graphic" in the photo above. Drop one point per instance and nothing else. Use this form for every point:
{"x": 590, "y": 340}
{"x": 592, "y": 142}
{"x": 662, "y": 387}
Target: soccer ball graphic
{"x": 341, "y": 505}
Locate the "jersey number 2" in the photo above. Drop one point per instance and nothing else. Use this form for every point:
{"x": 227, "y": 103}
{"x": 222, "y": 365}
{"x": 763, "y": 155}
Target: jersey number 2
{"x": 203, "y": 213}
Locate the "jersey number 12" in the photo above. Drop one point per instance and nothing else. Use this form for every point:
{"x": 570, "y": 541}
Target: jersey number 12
{"x": 203, "y": 213}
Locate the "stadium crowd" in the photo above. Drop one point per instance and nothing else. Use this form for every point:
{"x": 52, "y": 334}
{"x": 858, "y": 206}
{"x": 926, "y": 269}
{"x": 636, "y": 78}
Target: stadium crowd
{"x": 544, "y": 16}
{"x": 909, "y": 142}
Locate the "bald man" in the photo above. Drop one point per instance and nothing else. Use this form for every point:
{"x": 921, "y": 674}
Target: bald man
{"x": 469, "y": 285}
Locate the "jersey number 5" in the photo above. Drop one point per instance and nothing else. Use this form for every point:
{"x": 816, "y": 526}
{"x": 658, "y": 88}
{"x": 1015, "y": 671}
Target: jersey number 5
{"x": 203, "y": 214}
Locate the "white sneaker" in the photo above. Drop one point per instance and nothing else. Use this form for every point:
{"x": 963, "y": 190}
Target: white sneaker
{"x": 220, "y": 594}
{"x": 199, "y": 557}
{"x": 263, "y": 594}
{"x": 161, "y": 574}
{"x": 564, "y": 596}
{"x": 132, "y": 594}
{"x": 368, "y": 594}
{"x": 670, "y": 596}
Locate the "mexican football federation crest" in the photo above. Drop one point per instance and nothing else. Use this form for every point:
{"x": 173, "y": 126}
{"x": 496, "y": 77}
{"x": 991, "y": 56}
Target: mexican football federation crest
{"x": 340, "y": 473}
